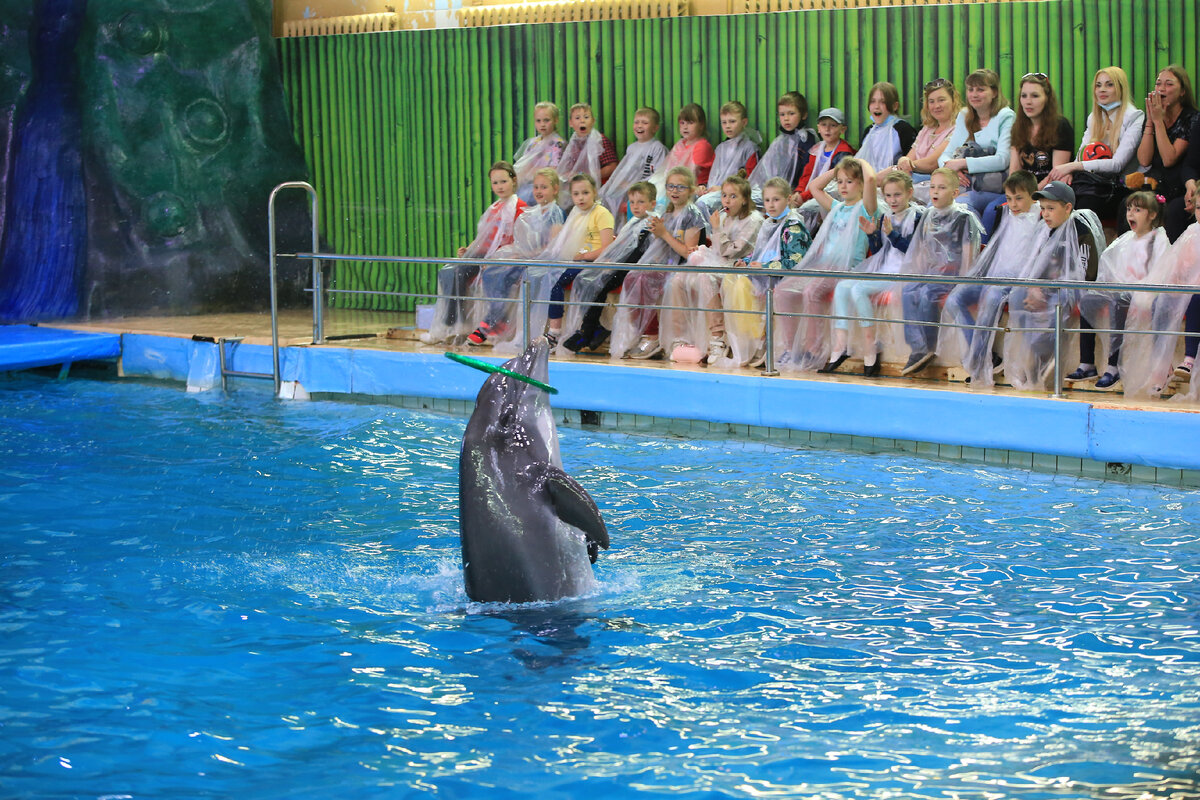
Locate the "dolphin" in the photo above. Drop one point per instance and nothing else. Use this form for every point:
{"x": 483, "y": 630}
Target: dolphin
{"x": 529, "y": 531}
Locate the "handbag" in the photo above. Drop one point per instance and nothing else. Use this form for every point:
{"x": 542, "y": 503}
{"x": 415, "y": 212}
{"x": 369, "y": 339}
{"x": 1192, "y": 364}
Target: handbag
{"x": 991, "y": 182}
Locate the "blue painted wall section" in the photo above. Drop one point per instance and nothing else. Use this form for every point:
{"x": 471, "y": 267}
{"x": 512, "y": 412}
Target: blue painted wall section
{"x": 1025, "y": 424}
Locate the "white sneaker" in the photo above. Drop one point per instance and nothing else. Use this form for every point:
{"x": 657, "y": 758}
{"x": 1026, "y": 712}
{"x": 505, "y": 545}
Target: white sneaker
{"x": 647, "y": 347}
{"x": 716, "y": 349}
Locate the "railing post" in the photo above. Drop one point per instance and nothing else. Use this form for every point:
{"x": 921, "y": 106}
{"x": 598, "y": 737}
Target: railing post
{"x": 317, "y": 324}
{"x": 769, "y": 332}
{"x": 1058, "y": 331}
{"x": 525, "y": 312}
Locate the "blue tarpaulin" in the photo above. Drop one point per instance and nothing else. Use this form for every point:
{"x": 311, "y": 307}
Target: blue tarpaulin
{"x": 27, "y": 346}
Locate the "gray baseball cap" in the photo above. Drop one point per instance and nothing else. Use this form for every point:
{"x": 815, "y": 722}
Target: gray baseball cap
{"x": 834, "y": 114}
{"x": 1056, "y": 190}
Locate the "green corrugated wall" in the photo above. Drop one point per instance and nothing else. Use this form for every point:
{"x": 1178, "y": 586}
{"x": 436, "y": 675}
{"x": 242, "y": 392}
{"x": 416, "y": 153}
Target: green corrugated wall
{"x": 400, "y": 128}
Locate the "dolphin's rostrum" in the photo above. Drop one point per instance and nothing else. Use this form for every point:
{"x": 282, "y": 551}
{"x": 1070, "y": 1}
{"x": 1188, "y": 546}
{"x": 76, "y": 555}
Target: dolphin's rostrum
{"x": 529, "y": 531}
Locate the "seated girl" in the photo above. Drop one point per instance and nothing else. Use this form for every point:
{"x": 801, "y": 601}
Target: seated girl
{"x": 534, "y": 229}
{"x": 781, "y": 243}
{"x": 542, "y": 150}
{"x": 692, "y": 151}
{"x": 888, "y": 136}
{"x": 676, "y": 234}
{"x": 1146, "y": 360}
{"x": 584, "y": 237}
{"x": 734, "y": 230}
{"x": 840, "y": 246}
{"x": 857, "y": 298}
{"x": 1130, "y": 259}
{"x": 493, "y": 231}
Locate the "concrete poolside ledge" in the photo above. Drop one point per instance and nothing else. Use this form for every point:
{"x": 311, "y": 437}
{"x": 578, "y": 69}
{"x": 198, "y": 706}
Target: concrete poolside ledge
{"x": 1071, "y": 436}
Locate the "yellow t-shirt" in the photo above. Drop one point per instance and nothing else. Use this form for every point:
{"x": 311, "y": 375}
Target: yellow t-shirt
{"x": 599, "y": 218}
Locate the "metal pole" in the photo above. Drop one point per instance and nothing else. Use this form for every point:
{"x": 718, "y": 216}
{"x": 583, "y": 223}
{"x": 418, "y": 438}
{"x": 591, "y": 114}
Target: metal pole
{"x": 769, "y": 332}
{"x": 318, "y": 276}
{"x": 525, "y": 312}
{"x": 1058, "y": 331}
{"x": 318, "y": 324}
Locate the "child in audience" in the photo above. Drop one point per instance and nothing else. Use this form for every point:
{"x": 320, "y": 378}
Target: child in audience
{"x": 586, "y": 234}
{"x": 1129, "y": 259}
{"x": 533, "y": 231}
{"x": 583, "y": 328}
{"x": 888, "y": 136}
{"x": 856, "y": 298}
{"x": 788, "y": 154}
{"x": 737, "y": 154}
{"x": 676, "y": 234}
{"x": 642, "y": 158}
{"x": 1145, "y": 364}
{"x": 493, "y": 231}
{"x": 691, "y": 151}
{"x": 588, "y": 152}
{"x": 1005, "y": 257}
{"x": 734, "y": 230}
{"x": 841, "y": 245}
{"x": 542, "y": 150}
{"x": 946, "y": 243}
{"x": 781, "y": 243}
{"x": 1066, "y": 248}
{"x": 825, "y": 154}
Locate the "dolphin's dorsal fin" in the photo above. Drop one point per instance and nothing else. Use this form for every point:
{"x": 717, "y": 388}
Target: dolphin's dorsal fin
{"x": 575, "y": 507}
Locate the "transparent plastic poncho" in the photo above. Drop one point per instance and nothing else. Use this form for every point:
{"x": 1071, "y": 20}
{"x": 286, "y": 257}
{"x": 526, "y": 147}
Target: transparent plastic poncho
{"x": 535, "y": 153}
{"x": 532, "y": 231}
{"x": 731, "y": 156}
{"x": 589, "y": 284}
{"x": 780, "y": 159}
{"x": 1055, "y": 255}
{"x": 642, "y": 160}
{"x": 885, "y": 295}
{"x": 838, "y": 247}
{"x": 540, "y": 280}
{"x": 1128, "y": 260}
{"x": 454, "y": 318}
{"x": 581, "y": 155}
{"x": 881, "y": 146}
{"x": 645, "y": 287}
{"x": 1006, "y": 256}
{"x": 733, "y": 240}
{"x": 747, "y": 293}
{"x": 1147, "y": 360}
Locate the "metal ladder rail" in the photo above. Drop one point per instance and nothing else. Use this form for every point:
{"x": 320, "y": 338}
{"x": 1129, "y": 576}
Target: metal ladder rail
{"x": 318, "y": 293}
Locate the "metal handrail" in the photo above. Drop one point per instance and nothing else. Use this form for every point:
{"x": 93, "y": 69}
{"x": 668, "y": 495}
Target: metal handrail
{"x": 318, "y": 286}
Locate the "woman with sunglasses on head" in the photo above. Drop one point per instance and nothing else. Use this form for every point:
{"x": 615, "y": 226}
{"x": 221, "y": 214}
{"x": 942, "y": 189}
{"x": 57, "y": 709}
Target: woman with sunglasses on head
{"x": 940, "y": 104}
{"x": 1165, "y": 151}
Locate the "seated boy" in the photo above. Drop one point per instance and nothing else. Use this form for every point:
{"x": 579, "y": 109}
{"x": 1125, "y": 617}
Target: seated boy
{"x": 588, "y": 151}
{"x": 1067, "y": 248}
{"x": 594, "y": 284}
{"x": 825, "y": 154}
{"x": 945, "y": 243}
{"x": 642, "y": 158}
{"x": 739, "y": 152}
{"x": 1004, "y": 257}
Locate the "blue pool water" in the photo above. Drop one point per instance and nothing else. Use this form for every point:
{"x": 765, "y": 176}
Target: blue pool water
{"x": 226, "y": 596}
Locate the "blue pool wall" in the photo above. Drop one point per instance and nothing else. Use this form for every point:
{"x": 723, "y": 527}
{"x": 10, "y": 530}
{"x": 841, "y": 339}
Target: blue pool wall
{"x": 1033, "y": 432}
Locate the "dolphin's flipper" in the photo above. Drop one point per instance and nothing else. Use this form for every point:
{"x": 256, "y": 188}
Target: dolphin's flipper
{"x": 575, "y": 507}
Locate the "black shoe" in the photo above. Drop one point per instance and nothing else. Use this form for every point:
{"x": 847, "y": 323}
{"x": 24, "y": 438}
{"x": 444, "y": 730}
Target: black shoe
{"x": 577, "y": 341}
{"x": 872, "y": 370}
{"x": 598, "y": 338}
{"x": 1108, "y": 381}
{"x": 1083, "y": 375}
{"x": 832, "y": 366}
{"x": 917, "y": 362}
